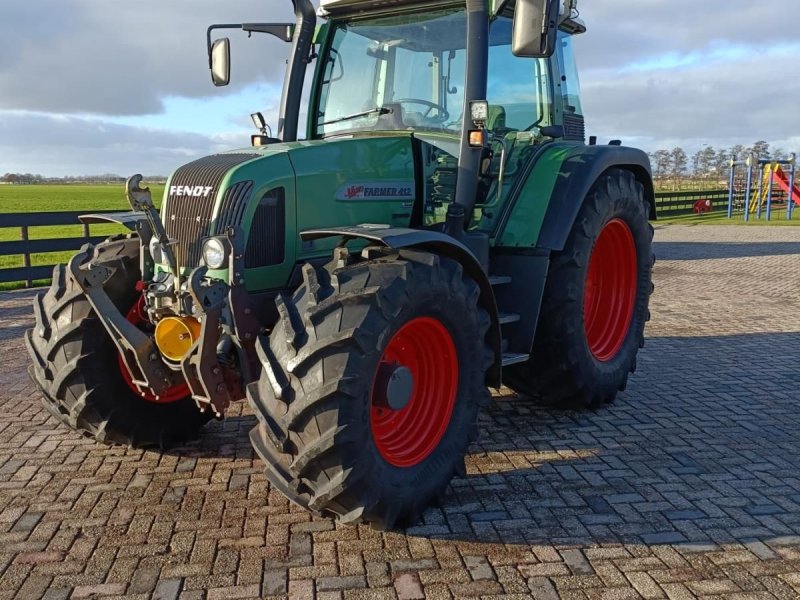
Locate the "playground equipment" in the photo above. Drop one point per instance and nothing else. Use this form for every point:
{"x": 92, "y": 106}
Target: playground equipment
{"x": 756, "y": 186}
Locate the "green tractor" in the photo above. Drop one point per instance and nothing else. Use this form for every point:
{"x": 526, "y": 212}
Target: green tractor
{"x": 443, "y": 228}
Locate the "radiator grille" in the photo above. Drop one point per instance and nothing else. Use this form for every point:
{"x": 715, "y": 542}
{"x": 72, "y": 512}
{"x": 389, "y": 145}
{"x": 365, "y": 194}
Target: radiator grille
{"x": 234, "y": 204}
{"x": 187, "y": 217}
{"x": 268, "y": 233}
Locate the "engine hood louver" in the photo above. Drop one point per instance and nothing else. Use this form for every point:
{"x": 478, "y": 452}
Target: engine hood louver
{"x": 190, "y": 200}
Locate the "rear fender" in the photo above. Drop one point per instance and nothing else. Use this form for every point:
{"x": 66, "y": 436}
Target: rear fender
{"x": 553, "y": 186}
{"x": 436, "y": 243}
{"x": 579, "y": 172}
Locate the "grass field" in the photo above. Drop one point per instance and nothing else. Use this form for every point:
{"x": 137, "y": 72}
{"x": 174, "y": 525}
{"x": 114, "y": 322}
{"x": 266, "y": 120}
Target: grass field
{"x": 720, "y": 217}
{"x": 51, "y": 198}
{"x": 48, "y": 198}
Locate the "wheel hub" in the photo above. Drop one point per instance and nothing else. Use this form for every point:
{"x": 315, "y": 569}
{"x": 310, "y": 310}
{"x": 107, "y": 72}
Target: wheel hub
{"x": 394, "y": 385}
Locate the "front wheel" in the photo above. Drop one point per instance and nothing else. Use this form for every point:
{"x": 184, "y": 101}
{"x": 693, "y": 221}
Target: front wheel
{"x": 595, "y": 303}
{"x": 371, "y": 385}
{"x": 83, "y": 380}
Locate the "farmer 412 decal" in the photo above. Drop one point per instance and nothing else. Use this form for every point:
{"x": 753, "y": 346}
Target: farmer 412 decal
{"x": 376, "y": 190}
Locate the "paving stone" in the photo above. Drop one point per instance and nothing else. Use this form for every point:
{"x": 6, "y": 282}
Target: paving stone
{"x": 688, "y": 485}
{"x": 167, "y": 589}
{"x": 100, "y": 589}
{"x": 408, "y": 587}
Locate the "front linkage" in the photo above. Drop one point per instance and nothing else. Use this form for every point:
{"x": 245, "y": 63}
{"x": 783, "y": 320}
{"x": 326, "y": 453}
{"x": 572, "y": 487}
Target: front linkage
{"x": 227, "y": 322}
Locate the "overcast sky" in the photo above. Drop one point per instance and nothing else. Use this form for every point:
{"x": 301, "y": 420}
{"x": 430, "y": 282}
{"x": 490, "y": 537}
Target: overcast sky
{"x": 97, "y": 86}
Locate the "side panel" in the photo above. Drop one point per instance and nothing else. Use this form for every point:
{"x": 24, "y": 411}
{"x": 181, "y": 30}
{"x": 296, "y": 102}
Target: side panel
{"x": 269, "y": 174}
{"x": 351, "y": 181}
{"x": 528, "y": 271}
{"x": 552, "y": 192}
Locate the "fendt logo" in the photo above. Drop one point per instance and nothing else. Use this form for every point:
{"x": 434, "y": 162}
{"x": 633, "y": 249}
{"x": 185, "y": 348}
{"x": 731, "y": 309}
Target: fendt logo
{"x": 190, "y": 190}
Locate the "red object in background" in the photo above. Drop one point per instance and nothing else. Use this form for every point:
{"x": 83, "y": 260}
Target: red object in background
{"x": 703, "y": 206}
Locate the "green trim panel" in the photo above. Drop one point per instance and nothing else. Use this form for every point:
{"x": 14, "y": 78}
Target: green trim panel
{"x": 530, "y": 205}
{"x": 562, "y": 175}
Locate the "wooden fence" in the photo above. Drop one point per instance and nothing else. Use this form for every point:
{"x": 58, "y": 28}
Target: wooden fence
{"x": 26, "y": 246}
{"x": 671, "y": 204}
{"x": 667, "y": 204}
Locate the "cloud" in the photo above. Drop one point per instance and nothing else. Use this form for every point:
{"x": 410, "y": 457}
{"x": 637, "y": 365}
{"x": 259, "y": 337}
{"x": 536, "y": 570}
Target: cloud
{"x": 63, "y": 145}
{"x": 123, "y": 58}
{"x": 90, "y": 85}
{"x": 711, "y": 101}
{"x": 621, "y": 32}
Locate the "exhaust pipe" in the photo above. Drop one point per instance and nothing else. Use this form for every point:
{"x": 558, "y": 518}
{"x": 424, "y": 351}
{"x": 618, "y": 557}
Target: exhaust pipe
{"x": 296, "y": 71}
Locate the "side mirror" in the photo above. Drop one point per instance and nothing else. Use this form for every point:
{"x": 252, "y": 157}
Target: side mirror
{"x": 221, "y": 62}
{"x": 535, "y": 27}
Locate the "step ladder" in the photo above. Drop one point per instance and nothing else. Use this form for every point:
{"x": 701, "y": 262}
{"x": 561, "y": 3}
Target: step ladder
{"x": 509, "y": 358}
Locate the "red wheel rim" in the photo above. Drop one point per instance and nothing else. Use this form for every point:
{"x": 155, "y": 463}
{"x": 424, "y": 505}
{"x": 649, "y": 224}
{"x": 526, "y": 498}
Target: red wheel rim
{"x": 136, "y": 315}
{"x": 610, "y": 291}
{"x": 408, "y": 436}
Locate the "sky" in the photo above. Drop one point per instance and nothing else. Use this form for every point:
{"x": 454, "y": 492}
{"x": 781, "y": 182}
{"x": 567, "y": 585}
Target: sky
{"x": 92, "y": 86}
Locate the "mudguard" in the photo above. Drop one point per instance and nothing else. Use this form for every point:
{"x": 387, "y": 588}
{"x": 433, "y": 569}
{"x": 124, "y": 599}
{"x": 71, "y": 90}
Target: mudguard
{"x": 127, "y": 218}
{"x": 436, "y": 243}
{"x": 552, "y": 188}
{"x": 578, "y": 173}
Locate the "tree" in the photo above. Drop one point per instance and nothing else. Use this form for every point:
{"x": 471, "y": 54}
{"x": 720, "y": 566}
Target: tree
{"x": 779, "y": 154}
{"x": 739, "y": 152}
{"x": 680, "y": 162}
{"x": 662, "y": 163}
{"x": 722, "y": 162}
{"x": 760, "y": 149}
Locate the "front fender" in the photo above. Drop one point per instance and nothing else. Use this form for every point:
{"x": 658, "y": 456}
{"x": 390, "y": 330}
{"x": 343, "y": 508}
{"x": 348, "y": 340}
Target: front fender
{"x": 436, "y": 243}
{"x": 129, "y": 219}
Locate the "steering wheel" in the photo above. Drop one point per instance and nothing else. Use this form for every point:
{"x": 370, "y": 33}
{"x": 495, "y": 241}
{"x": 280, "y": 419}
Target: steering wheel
{"x": 442, "y": 116}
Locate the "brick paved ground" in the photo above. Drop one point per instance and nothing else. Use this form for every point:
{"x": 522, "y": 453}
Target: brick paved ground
{"x": 688, "y": 486}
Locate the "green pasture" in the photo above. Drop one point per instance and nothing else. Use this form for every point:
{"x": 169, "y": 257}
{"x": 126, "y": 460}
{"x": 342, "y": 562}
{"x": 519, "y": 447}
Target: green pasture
{"x": 720, "y": 217}
{"x": 48, "y": 198}
{"x": 52, "y": 198}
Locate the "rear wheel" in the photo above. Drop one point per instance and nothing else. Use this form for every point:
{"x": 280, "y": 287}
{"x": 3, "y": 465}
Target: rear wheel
{"x": 371, "y": 385}
{"x": 78, "y": 369}
{"x": 595, "y": 303}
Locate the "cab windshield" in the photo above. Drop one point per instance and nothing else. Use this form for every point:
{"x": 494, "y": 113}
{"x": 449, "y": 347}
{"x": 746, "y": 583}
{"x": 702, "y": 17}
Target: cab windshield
{"x": 404, "y": 72}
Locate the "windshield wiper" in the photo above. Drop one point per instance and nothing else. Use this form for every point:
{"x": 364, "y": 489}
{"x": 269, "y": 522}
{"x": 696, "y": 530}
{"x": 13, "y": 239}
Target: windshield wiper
{"x": 378, "y": 110}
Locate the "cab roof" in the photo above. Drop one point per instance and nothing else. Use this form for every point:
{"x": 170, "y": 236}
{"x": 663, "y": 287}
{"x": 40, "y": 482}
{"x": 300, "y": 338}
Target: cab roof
{"x": 338, "y": 7}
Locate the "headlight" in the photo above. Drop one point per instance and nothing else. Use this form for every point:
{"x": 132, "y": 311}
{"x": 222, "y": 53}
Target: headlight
{"x": 214, "y": 254}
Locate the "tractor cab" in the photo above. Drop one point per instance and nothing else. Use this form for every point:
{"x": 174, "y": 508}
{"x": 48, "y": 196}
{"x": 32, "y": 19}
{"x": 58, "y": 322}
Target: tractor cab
{"x": 479, "y": 88}
{"x": 407, "y": 71}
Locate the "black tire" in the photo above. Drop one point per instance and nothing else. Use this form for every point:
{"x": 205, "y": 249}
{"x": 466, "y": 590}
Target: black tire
{"x": 75, "y": 364}
{"x": 314, "y": 395}
{"x": 563, "y": 370}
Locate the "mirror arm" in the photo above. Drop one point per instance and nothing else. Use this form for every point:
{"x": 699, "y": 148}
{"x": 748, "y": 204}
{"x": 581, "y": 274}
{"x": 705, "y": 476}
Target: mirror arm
{"x": 282, "y": 31}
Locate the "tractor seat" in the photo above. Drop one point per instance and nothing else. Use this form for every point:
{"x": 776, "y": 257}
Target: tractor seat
{"x": 496, "y": 123}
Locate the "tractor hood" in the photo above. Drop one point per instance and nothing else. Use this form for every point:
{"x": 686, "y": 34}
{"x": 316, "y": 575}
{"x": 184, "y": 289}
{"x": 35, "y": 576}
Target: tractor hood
{"x": 274, "y": 192}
